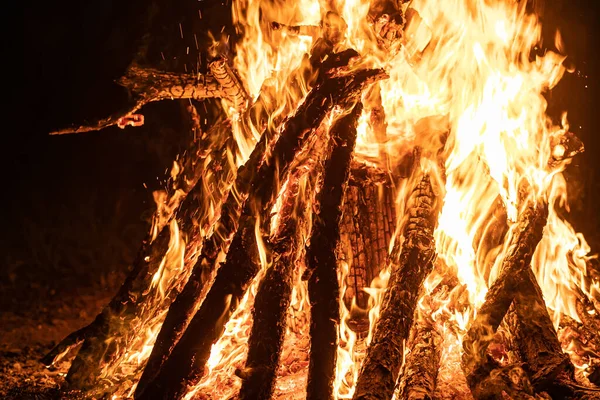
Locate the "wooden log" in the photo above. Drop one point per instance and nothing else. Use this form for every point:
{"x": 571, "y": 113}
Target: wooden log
{"x": 240, "y": 267}
{"x": 109, "y": 333}
{"x": 411, "y": 261}
{"x": 273, "y": 298}
{"x": 525, "y": 237}
{"x": 148, "y": 85}
{"x": 192, "y": 165}
{"x": 323, "y": 286}
{"x": 231, "y": 85}
{"x": 534, "y": 337}
{"x": 422, "y": 363}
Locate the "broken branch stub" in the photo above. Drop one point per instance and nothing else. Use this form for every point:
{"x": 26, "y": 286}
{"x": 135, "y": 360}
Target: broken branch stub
{"x": 240, "y": 267}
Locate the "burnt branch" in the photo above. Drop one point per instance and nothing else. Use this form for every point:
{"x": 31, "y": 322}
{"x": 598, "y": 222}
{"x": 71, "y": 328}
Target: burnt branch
{"x": 323, "y": 286}
{"x": 148, "y": 85}
{"x": 273, "y": 297}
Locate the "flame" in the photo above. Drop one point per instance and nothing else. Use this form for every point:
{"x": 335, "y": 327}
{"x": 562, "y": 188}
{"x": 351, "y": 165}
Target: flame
{"x": 465, "y": 78}
{"x": 466, "y": 87}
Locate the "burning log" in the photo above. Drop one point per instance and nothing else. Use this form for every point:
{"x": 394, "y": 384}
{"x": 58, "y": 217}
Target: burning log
{"x": 148, "y": 85}
{"x": 192, "y": 165}
{"x": 411, "y": 261}
{"x": 529, "y": 323}
{"x": 105, "y": 334}
{"x": 323, "y": 286}
{"x": 273, "y": 299}
{"x": 191, "y": 351}
{"x": 526, "y": 235}
{"x": 423, "y": 362}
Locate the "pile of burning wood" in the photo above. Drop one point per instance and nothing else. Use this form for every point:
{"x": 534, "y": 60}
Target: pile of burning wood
{"x": 302, "y": 204}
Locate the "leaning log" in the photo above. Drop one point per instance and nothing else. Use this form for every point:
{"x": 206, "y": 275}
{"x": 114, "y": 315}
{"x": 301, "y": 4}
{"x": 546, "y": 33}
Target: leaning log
{"x": 110, "y": 331}
{"x": 525, "y": 237}
{"x": 148, "y": 85}
{"x": 423, "y": 362}
{"x": 323, "y": 286}
{"x": 192, "y": 350}
{"x": 192, "y": 163}
{"x": 274, "y": 297}
{"x": 409, "y": 269}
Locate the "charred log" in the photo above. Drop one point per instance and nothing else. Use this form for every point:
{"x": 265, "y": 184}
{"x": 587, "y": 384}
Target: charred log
{"x": 323, "y": 286}
{"x": 422, "y": 363}
{"x": 368, "y": 220}
{"x": 240, "y": 264}
{"x": 526, "y": 235}
{"x": 192, "y": 163}
{"x": 534, "y": 336}
{"x": 114, "y": 321}
{"x": 411, "y": 261}
{"x": 272, "y": 302}
{"x": 550, "y": 369}
{"x": 148, "y": 85}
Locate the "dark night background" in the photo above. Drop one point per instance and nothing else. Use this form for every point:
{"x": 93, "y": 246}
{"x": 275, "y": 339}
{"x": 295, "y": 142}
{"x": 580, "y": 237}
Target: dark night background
{"x": 76, "y": 206}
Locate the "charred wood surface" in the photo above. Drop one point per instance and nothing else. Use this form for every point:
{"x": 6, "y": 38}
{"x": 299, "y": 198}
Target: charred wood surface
{"x": 272, "y": 302}
{"x": 513, "y": 271}
{"x": 422, "y": 363}
{"x": 323, "y": 286}
{"x": 240, "y": 266}
{"x": 192, "y": 165}
{"x": 411, "y": 262}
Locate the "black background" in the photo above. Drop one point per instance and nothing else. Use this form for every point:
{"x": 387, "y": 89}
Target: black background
{"x": 76, "y": 207}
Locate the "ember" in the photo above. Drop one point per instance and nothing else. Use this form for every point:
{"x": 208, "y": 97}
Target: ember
{"x": 383, "y": 215}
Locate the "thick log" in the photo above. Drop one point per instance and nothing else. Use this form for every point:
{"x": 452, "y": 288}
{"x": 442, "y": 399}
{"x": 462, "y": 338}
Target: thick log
{"x": 411, "y": 261}
{"x": 549, "y": 368}
{"x": 149, "y": 85}
{"x": 323, "y": 286}
{"x": 192, "y": 163}
{"x": 109, "y": 333}
{"x": 534, "y": 336}
{"x": 422, "y": 363}
{"x": 273, "y": 299}
{"x": 525, "y": 237}
{"x": 240, "y": 266}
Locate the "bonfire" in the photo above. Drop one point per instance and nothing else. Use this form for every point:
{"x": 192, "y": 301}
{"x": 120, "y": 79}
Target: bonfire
{"x": 382, "y": 215}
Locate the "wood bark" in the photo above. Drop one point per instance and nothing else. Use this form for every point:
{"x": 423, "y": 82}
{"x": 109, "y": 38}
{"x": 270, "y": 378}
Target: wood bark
{"x": 323, "y": 286}
{"x": 422, "y": 363}
{"x": 412, "y": 261}
{"x": 240, "y": 266}
{"x": 525, "y": 237}
{"x": 192, "y": 165}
